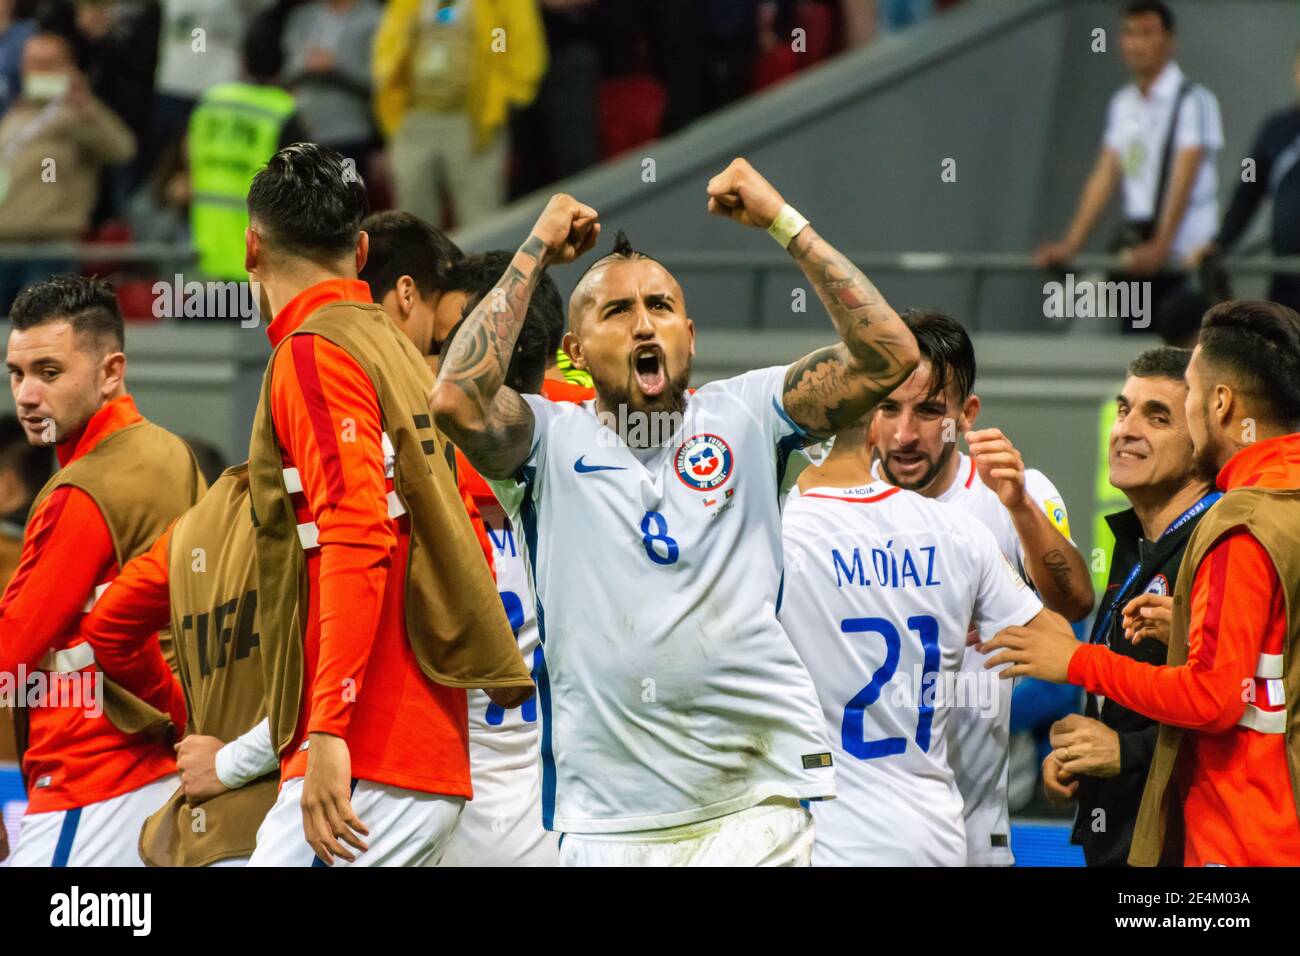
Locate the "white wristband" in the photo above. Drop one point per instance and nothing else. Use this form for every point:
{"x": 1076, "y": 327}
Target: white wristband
{"x": 787, "y": 224}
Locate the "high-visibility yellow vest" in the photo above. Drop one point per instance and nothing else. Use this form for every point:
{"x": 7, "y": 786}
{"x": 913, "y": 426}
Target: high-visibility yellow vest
{"x": 233, "y": 131}
{"x": 572, "y": 374}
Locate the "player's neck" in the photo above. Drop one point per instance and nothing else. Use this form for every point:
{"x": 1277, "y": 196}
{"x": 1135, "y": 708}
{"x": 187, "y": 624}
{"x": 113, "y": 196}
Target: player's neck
{"x": 851, "y": 470}
{"x": 1158, "y": 509}
{"x": 280, "y": 290}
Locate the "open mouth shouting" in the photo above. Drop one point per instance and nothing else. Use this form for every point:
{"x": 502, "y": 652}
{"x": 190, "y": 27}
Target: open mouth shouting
{"x": 648, "y": 368}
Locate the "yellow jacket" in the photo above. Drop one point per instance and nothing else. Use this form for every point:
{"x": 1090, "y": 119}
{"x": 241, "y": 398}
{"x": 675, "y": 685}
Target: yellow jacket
{"x": 497, "y": 81}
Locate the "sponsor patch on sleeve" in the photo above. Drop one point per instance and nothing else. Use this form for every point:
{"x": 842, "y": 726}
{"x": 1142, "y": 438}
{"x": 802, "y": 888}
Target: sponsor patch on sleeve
{"x": 1056, "y": 513}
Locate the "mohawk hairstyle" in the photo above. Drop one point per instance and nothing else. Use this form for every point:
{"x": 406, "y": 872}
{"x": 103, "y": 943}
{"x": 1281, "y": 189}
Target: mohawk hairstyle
{"x": 623, "y": 246}
{"x": 622, "y": 250}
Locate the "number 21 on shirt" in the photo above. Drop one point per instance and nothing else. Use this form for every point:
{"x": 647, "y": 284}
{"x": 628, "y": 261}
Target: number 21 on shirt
{"x": 852, "y": 727}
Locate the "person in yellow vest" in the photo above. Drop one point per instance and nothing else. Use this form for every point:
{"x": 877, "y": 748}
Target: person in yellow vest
{"x": 95, "y": 759}
{"x": 233, "y": 131}
{"x": 447, "y": 73}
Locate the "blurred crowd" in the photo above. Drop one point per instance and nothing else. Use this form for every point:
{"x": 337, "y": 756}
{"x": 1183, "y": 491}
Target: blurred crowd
{"x": 1161, "y": 140}
{"x": 142, "y": 120}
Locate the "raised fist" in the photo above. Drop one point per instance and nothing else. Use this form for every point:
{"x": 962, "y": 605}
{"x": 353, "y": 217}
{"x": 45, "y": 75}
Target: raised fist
{"x": 741, "y": 194}
{"x": 566, "y": 228}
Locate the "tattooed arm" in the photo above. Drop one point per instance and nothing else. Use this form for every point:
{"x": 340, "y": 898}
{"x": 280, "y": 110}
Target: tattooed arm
{"x": 487, "y": 420}
{"x": 833, "y": 387}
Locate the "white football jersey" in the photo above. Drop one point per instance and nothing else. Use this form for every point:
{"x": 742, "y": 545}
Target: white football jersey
{"x": 980, "y": 749}
{"x": 881, "y": 588}
{"x": 502, "y": 825}
{"x": 668, "y": 692}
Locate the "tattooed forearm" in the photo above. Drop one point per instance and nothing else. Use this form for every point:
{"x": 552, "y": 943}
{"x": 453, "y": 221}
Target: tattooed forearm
{"x": 1059, "y": 568}
{"x": 490, "y": 423}
{"x": 834, "y": 387}
{"x": 870, "y": 329}
{"x": 480, "y": 353}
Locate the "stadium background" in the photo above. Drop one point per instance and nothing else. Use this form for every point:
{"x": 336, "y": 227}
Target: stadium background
{"x": 1007, "y": 94}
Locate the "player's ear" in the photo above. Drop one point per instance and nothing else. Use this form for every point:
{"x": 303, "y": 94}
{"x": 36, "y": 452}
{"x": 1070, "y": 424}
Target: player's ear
{"x": 406, "y": 293}
{"x": 1224, "y": 399}
{"x": 573, "y": 348}
{"x": 970, "y": 410}
{"x": 362, "y": 250}
{"x": 113, "y": 369}
{"x": 252, "y": 249}
{"x": 690, "y": 330}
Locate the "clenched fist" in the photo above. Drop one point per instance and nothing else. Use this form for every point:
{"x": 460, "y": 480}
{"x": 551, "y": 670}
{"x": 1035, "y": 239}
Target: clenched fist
{"x": 566, "y": 229}
{"x": 741, "y": 194}
{"x": 196, "y": 761}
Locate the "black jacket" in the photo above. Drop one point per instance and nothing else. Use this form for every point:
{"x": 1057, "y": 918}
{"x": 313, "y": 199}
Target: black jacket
{"x": 1105, "y": 837}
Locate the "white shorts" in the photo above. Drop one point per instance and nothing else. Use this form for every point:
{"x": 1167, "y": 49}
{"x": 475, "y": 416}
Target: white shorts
{"x": 502, "y": 825}
{"x": 106, "y": 833}
{"x": 407, "y": 827}
{"x": 777, "y": 832}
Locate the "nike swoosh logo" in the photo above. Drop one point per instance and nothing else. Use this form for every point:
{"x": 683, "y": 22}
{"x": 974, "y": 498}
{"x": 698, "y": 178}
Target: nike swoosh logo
{"x": 584, "y": 469}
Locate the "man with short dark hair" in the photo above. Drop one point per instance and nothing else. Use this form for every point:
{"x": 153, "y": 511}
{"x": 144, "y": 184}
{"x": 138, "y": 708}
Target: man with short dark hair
{"x": 357, "y": 509}
{"x": 407, "y": 270}
{"x": 915, "y": 434}
{"x": 1162, "y": 135}
{"x": 1100, "y": 758}
{"x": 1232, "y": 676}
{"x": 97, "y": 766}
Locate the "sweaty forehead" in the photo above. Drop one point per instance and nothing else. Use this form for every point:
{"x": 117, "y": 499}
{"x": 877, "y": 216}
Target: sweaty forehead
{"x": 621, "y": 279}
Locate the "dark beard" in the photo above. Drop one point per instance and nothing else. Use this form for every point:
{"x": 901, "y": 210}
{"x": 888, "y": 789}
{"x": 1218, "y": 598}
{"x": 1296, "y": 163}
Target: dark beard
{"x": 927, "y": 478}
{"x": 1206, "y": 459}
{"x": 672, "y": 401}
{"x": 1206, "y": 463}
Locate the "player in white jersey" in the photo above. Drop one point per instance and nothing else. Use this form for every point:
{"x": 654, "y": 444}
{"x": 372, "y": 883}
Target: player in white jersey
{"x": 914, "y": 433}
{"x": 502, "y": 825}
{"x": 678, "y": 724}
{"x": 881, "y": 588}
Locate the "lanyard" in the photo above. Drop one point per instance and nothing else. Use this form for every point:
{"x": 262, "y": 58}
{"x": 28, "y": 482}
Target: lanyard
{"x": 1102, "y": 629}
